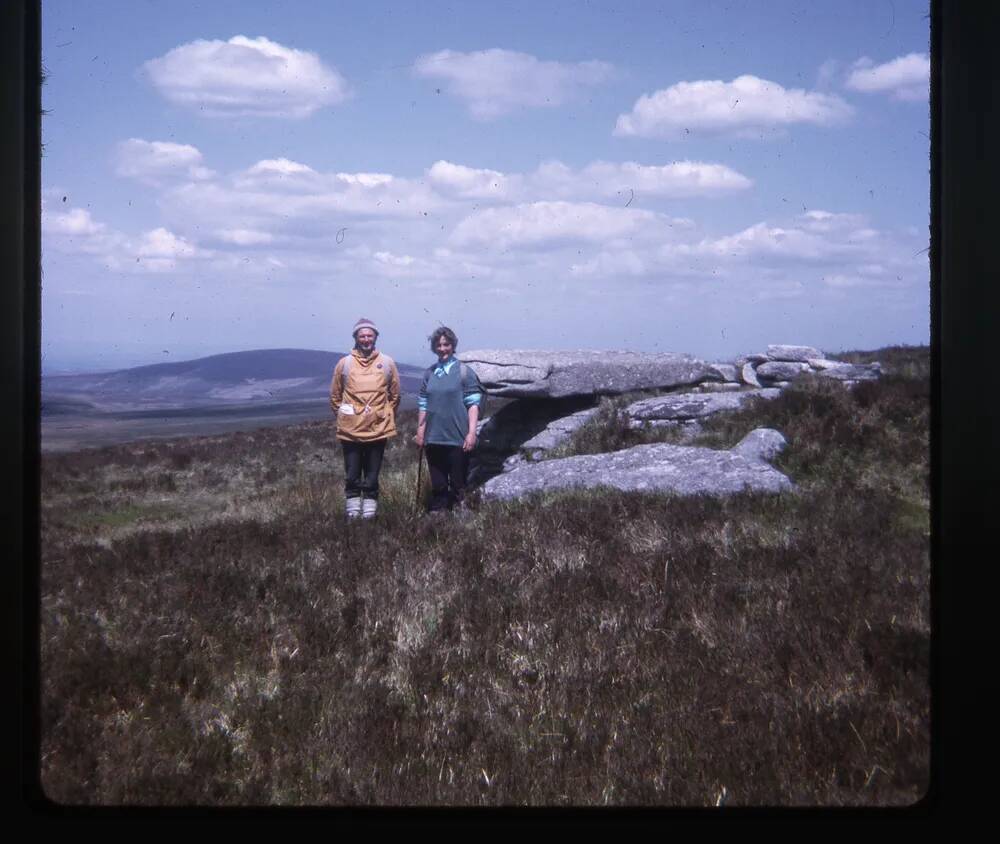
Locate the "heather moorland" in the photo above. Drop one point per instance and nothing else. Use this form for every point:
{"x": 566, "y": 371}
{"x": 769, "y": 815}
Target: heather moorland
{"x": 213, "y": 633}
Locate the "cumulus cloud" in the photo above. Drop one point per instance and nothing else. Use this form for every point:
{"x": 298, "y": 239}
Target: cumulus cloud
{"x": 364, "y": 180}
{"x": 611, "y": 264}
{"x": 469, "y": 182}
{"x": 246, "y": 76}
{"x": 160, "y": 250}
{"x": 161, "y": 243}
{"x": 244, "y": 237}
{"x": 76, "y": 232}
{"x": 679, "y": 180}
{"x": 624, "y": 182}
{"x": 746, "y": 105}
{"x": 155, "y": 162}
{"x": 495, "y": 82}
{"x": 391, "y": 260}
{"x": 868, "y": 275}
{"x": 546, "y": 223}
{"x": 826, "y": 221}
{"x": 586, "y": 226}
{"x": 903, "y": 78}
{"x": 280, "y": 167}
{"x": 764, "y": 239}
{"x": 279, "y": 175}
{"x": 76, "y": 222}
{"x": 287, "y": 198}
{"x": 814, "y": 237}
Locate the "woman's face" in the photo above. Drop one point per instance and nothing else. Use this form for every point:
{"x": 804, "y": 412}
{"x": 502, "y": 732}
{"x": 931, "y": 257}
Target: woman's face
{"x": 444, "y": 348}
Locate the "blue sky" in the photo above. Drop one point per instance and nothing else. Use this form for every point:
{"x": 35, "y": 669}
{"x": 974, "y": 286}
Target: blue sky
{"x": 681, "y": 176}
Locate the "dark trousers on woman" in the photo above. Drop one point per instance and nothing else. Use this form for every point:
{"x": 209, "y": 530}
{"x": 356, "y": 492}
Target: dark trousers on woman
{"x": 448, "y": 466}
{"x": 362, "y": 462}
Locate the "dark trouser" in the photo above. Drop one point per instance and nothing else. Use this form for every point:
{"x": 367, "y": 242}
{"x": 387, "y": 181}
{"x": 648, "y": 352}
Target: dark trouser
{"x": 449, "y": 467}
{"x": 362, "y": 462}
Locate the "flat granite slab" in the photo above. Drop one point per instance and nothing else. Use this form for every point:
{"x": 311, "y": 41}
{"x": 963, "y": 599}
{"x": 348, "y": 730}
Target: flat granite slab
{"x": 657, "y": 467}
{"x": 693, "y": 405}
{"x": 538, "y": 373}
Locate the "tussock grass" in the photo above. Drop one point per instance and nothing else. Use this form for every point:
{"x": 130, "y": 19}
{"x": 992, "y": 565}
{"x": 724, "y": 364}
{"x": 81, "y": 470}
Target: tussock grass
{"x": 584, "y": 648}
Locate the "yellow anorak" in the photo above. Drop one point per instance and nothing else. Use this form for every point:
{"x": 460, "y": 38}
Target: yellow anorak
{"x": 365, "y": 406}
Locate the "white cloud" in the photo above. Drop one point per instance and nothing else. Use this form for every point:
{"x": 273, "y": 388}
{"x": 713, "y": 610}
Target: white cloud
{"x": 76, "y": 232}
{"x": 365, "y": 180}
{"x": 624, "y": 183}
{"x": 864, "y": 277}
{"x": 764, "y": 239}
{"x": 588, "y": 227}
{"x": 468, "y": 182}
{"x": 811, "y": 239}
{"x": 548, "y": 223}
{"x": 246, "y": 76}
{"x": 76, "y": 222}
{"x": 608, "y": 264}
{"x": 245, "y": 237}
{"x": 160, "y": 250}
{"x": 280, "y": 167}
{"x": 495, "y": 82}
{"x": 391, "y": 260}
{"x": 746, "y": 105}
{"x": 161, "y": 243}
{"x": 288, "y": 204}
{"x": 278, "y": 175}
{"x": 154, "y": 162}
{"x": 825, "y": 221}
{"x": 903, "y": 78}
{"x": 681, "y": 179}
{"x": 287, "y": 198}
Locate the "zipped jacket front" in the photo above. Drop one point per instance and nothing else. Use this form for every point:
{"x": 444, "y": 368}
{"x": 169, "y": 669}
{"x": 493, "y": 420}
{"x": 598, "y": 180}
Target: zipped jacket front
{"x": 365, "y": 402}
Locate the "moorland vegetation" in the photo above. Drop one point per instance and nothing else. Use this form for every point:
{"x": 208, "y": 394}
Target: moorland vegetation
{"x": 213, "y": 633}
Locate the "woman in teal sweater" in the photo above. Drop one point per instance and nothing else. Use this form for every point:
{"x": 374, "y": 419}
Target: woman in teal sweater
{"x": 448, "y": 411}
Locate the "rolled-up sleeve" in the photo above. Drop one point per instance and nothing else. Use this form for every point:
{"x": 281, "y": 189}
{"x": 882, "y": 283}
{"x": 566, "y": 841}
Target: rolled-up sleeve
{"x": 472, "y": 392}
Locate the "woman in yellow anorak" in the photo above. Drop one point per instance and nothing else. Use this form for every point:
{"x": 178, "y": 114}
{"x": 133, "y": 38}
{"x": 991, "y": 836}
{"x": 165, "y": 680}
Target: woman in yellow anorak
{"x": 364, "y": 396}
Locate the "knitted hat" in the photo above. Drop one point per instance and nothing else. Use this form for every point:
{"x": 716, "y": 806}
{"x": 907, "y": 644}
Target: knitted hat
{"x": 364, "y": 323}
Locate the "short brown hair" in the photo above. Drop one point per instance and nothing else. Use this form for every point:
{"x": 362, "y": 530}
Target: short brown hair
{"x": 447, "y": 333}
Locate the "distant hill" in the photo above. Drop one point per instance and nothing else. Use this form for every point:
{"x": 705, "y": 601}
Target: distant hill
{"x": 255, "y": 377}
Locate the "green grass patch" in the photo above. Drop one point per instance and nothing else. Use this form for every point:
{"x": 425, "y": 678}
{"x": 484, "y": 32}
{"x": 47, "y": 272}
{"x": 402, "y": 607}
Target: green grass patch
{"x": 127, "y": 515}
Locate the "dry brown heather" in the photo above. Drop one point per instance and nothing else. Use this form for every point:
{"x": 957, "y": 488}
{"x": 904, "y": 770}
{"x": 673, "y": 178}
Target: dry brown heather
{"x": 213, "y": 634}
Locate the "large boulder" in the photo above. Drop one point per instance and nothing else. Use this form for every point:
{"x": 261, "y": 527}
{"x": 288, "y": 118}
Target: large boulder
{"x": 658, "y": 467}
{"x": 749, "y": 375}
{"x": 777, "y": 371}
{"x": 522, "y": 373}
{"x": 692, "y": 405}
{"x": 794, "y": 353}
{"x": 726, "y": 371}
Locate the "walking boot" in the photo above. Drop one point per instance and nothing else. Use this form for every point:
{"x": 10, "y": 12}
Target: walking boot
{"x": 369, "y": 508}
{"x": 353, "y": 508}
